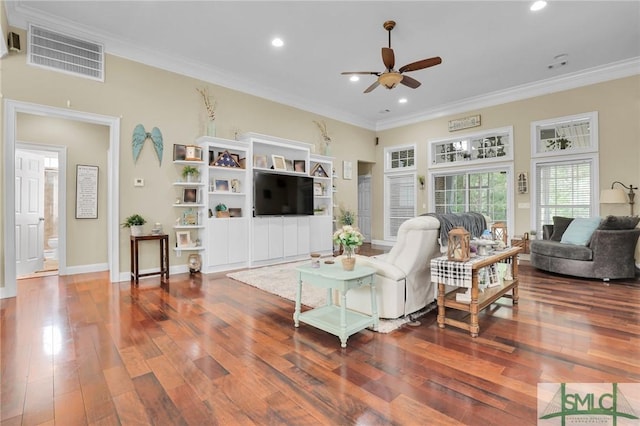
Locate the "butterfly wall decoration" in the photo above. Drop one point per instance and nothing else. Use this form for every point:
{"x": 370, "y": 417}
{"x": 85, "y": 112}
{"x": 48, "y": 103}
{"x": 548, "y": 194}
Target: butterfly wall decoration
{"x": 140, "y": 136}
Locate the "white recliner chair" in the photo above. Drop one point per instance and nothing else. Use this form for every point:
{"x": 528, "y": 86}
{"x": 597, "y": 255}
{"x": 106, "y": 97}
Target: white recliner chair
{"x": 403, "y": 280}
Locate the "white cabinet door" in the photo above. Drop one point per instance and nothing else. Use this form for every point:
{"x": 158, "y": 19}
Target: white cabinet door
{"x": 290, "y": 236}
{"x": 217, "y": 237}
{"x": 321, "y": 233}
{"x": 303, "y": 225}
{"x": 276, "y": 238}
{"x": 260, "y": 239}
{"x": 238, "y": 243}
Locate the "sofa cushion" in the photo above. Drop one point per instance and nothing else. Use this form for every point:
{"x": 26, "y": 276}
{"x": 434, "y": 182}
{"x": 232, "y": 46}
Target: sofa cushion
{"x": 558, "y": 249}
{"x": 560, "y": 225}
{"x": 580, "y": 230}
{"x": 619, "y": 222}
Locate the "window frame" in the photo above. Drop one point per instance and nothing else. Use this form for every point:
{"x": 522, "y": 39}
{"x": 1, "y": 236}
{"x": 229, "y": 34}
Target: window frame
{"x": 593, "y": 158}
{"x": 433, "y": 144}
{"x": 390, "y": 150}
{"x": 537, "y": 126}
{"x": 506, "y": 166}
{"x": 387, "y": 203}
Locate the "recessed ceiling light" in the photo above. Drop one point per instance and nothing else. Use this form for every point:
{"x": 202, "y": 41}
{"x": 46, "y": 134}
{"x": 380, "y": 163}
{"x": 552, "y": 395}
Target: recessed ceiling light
{"x": 354, "y": 78}
{"x": 277, "y": 42}
{"x": 538, "y": 5}
{"x": 402, "y": 100}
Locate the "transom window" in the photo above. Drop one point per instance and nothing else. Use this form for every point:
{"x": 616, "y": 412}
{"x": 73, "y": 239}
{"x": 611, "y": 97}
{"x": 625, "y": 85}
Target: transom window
{"x": 400, "y": 158}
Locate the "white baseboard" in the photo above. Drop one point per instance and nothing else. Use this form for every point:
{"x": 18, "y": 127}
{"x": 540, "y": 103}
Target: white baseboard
{"x": 85, "y": 269}
{"x": 382, "y": 243}
{"x": 173, "y": 270}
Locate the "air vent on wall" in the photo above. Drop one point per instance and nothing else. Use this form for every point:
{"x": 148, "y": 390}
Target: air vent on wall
{"x": 63, "y": 53}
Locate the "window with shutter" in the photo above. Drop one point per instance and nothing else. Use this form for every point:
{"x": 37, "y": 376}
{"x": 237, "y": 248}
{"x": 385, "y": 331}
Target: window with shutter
{"x": 564, "y": 188}
{"x": 400, "y": 205}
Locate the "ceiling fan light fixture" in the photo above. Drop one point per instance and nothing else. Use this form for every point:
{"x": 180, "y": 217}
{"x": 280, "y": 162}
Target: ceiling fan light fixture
{"x": 390, "y": 79}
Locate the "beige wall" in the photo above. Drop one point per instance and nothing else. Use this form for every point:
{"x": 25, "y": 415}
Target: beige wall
{"x": 617, "y": 103}
{"x": 86, "y": 144}
{"x": 152, "y": 97}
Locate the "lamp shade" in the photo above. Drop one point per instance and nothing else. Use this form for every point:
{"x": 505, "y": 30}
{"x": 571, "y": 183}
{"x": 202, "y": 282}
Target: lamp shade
{"x": 613, "y": 196}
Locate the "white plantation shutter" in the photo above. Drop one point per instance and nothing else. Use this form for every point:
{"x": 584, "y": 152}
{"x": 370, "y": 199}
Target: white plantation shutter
{"x": 400, "y": 205}
{"x": 564, "y": 188}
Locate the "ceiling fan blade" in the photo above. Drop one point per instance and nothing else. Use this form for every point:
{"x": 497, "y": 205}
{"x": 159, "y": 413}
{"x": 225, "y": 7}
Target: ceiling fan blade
{"x": 418, "y": 65}
{"x": 410, "y": 82}
{"x": 373, "y": 86}
{"x": 388, "y": 58}
{"x": 360, "y": 72}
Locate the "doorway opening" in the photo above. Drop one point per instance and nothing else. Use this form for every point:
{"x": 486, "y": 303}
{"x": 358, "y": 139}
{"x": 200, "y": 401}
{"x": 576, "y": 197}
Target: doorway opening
{"x": 37, "y": 252}
{"x": 11, "y": 109}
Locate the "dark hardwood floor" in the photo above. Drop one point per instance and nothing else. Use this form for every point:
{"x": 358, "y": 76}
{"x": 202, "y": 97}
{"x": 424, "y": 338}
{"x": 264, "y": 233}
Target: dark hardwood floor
{"x": 78, "y": 350}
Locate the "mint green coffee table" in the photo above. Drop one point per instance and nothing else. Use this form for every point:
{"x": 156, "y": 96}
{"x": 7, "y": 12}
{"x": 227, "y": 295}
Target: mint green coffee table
{"x": 337, "y": 320}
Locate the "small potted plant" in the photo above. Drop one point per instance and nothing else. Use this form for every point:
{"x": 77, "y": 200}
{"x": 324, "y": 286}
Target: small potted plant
{"x": 134, "y": 222}
{"x": 222, "y": 210}
{"x": 347, "y": 217}
{"x": 190, "y": 173}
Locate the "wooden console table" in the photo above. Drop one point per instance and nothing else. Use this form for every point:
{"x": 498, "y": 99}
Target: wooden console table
{"x": 337, "y": 320}
{"x": 465, "y": 274}
{"x": 164, "y": 257}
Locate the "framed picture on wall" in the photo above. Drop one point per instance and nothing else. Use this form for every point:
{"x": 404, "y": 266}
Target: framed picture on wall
{"x": 86, "y": 192}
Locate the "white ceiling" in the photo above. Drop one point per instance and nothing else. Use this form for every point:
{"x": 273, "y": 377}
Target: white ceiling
{"x": 491, "y": 52}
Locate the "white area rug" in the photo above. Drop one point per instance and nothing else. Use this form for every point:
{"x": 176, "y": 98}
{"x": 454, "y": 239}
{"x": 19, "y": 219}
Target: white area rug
{"x": 282, "y": 281}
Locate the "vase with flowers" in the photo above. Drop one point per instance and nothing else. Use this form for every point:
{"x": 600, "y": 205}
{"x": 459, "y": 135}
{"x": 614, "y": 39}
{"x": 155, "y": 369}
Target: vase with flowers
{"x": 350, "y": 238}
{"x": 210, "y": 107}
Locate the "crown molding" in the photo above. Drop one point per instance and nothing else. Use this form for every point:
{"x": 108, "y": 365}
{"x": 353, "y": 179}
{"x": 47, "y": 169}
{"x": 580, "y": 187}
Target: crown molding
{"x": 19, "y": 15}
{"x": 574, "y": 80}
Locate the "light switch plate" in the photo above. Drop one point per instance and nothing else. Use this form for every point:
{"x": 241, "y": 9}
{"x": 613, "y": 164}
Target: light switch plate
{"x": 138, "y": 182}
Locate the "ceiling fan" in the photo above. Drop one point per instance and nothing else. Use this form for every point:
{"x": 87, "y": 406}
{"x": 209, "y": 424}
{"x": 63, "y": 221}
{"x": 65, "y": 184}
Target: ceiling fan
{"x": 390, "y": 78}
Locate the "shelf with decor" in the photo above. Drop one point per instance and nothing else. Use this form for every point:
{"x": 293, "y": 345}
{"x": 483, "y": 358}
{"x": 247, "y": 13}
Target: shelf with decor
{"x": 227, "y": 203}
{"x": 189, "y": 191}
{"x": 280, "y": 232}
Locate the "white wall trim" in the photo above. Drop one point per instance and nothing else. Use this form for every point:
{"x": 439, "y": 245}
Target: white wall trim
{"x": 574, "y": 80}
{"x": 173, "y": 270}
{"x": 85, "y": 269}
{"x": 19, "y": 15}
{"x": 11, "y": 110}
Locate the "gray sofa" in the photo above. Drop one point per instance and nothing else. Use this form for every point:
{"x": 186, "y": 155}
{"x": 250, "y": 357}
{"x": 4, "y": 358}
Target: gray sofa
{"x": 608, "y": 255}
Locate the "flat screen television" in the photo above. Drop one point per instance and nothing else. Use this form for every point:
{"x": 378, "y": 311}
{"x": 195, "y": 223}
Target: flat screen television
{"x": 280, "y": 194}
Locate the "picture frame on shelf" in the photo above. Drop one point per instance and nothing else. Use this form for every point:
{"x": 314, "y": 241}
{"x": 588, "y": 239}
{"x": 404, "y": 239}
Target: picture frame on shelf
{"x": 299, "y": 166}
{"x": 278, "y": 162}
{"x": 193, "y": 153}
{"x": 289, "y": 165}
{"x": 235, "y": 212}
{"x": 222, "y": 185}
{"x": 183, "y": 239}
{"x": 179, "y": 152}
{"x": 190, "y": 217}
{"x": 225, "y": 159}
{"x": 190, "y": 195}
{"x": 260, "y": 161}
{"x": 318, "y": 171}
{"x": 235, "y": 185}
{"x": 318, "y": 189}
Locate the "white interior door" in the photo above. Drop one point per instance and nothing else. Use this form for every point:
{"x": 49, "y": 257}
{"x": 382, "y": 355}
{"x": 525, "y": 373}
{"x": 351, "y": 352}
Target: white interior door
{"x": 29, "y": 212}
{"x": 364, "y": 206}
